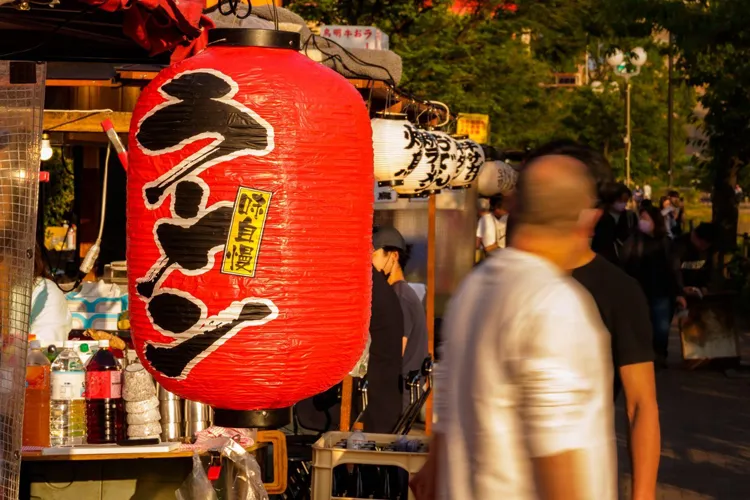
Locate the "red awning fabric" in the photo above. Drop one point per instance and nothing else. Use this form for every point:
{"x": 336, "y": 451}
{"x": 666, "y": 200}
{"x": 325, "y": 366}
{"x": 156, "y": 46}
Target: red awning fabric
{"x": 162, "y": 25}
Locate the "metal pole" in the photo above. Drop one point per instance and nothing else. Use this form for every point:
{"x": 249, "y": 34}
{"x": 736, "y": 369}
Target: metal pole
{"x": 431, "y": 233}
{"x": 627, "y": 132}
{"x": 670, "y": 110}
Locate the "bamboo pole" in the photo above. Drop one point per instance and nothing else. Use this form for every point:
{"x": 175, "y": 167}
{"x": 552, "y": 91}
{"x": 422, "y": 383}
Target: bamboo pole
{"x": 431, "y": 216}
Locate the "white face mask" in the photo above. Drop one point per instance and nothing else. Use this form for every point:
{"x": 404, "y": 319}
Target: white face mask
{"x": 619, "y": 206}
{"x": 646, "y": 226}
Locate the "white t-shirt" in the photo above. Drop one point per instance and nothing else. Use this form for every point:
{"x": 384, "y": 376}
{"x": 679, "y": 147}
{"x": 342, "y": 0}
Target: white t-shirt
{"x": 647, "y": 192}
{"x": 51, "y": 320}
{"x": 492, "y": 230}
{"x": 526, "y": 372}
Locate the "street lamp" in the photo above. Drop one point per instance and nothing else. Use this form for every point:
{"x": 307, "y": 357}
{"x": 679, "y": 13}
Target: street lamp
{"x": 627, "y": 68}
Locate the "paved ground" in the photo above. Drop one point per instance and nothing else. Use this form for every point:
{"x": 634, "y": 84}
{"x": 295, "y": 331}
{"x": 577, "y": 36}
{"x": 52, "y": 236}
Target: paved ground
{"x": 705, "y": 425}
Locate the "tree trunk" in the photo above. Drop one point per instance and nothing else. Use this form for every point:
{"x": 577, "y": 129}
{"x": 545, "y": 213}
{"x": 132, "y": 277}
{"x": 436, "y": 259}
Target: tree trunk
{"x": 725, "y": 210}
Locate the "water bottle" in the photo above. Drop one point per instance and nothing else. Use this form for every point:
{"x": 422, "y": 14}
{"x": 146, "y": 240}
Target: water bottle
{"x": 105, "y": 409}
{"x": 36, "y": 403}
{"x": 357, "y": 440}
{"x": 68, "y": 406}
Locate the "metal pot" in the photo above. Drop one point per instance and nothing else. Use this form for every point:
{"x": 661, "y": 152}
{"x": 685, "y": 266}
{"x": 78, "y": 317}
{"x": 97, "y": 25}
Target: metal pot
{"x": 165, "y": 395}
{"x": 171, "y": 411}
{"x": 171, "y": 432}
{"x": 197, "y": 412}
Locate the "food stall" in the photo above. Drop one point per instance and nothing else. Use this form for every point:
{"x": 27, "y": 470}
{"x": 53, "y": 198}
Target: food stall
{"x": 128, "y": 93}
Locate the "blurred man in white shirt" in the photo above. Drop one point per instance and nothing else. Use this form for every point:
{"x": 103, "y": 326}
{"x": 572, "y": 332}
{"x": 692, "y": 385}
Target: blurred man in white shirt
{"x": 524, "y": 392}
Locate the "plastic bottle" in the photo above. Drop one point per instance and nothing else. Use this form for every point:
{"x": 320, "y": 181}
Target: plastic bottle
{"x": 68, "y": 407}
{"x": 36, "y": 405}
{"x": 357, "y": 440}
{"x": 105, "y": 409}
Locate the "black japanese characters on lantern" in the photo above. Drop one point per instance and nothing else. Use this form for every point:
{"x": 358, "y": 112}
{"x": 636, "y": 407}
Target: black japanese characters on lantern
{"x": 199, "y": 106}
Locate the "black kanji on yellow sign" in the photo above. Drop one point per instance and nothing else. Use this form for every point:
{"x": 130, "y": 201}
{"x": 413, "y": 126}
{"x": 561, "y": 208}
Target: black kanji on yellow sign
{"x": 246, "y": 232}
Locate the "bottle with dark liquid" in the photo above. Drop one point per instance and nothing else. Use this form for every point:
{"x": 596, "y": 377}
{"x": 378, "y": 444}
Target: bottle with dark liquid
{"x": 105, "y": 409}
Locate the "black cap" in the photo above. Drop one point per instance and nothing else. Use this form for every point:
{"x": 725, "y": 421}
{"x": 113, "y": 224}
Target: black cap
{"x": 388, "y": 237}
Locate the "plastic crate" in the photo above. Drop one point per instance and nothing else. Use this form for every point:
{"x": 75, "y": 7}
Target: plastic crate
{"x": 326, "y": 458}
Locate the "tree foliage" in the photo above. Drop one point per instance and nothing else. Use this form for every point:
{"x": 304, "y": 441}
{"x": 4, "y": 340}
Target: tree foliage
{"x": 60, "y": 196}
{"x": 712, "y": 40}
{"x": 501, "y": 62}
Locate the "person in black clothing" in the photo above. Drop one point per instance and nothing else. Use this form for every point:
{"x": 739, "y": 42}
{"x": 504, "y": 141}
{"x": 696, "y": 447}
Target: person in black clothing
{"x": 648, "y": 258}
{"x": 322, "y": 413}
{"x": 617, "y": 223}
{"x": 624, "y": 311}
{"x": 385, "y": 386}
{"x": 678, "y": 213}
{"x": 692, "y": 252}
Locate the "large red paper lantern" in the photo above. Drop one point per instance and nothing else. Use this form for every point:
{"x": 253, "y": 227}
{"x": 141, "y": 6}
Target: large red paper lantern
{"x": 249, "y": 224}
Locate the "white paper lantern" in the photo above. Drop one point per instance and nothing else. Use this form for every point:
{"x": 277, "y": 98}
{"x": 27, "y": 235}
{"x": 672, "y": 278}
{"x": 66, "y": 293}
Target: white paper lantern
{"x": 472, "y": 163}
{"x": 421, "y": 180}
{"x": 447, "y": 160}
{"x": 397, "y": 148}
{"x": 496, "y": 177}
{"x": 463, "y": 159}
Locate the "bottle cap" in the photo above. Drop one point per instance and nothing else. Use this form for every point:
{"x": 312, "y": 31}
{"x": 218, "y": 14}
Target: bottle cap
{"x": 359, "y": 426}
{"x": 103, "y": 344}
{"x": 35, "y": 344}
{"x": 69, "y": 344}
{"x": 84, "y": 348}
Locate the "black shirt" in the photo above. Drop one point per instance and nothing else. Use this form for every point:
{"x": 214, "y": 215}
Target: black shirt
{"x": 695, "y": 265}
{"x": 610, "y": 233}
{"x": 322, "y": 412}
{"x": 624, "y": 311}
{"x": 652, "y": 263}
{"x": 385, "y": 384}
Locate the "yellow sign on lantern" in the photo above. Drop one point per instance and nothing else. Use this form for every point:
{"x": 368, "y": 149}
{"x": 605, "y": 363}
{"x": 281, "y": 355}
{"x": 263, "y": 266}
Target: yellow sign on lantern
{"x": 246, "y": 232}
{"x": 477, "y": 127}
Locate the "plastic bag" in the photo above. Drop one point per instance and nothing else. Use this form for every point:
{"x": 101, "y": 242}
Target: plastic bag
{"x": 360, "y": 369}
{"x": 197, "y": 486}
{"x": 240, "y": 478}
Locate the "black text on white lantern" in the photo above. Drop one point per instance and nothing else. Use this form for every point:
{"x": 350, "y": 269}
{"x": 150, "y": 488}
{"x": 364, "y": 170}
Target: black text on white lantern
{"x": 421, "y": 180}
{"x": 447, "y": 159}
{"x": 397, "y": 147}
{"x": 472, "y": 163}
{"x": 496, "y": 177}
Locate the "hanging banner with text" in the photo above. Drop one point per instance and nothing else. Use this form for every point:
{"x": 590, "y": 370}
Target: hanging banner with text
{"x": 477, "y": 127}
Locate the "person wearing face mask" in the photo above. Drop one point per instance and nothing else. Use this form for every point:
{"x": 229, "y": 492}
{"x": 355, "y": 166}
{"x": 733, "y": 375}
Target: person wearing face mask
{"x": 616, "y": 225}
{"x": 648, "y": 257}
{"x": 391, "y": 253}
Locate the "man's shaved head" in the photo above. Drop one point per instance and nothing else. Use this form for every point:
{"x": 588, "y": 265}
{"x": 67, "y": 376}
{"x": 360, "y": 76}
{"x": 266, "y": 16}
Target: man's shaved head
{"x": 552, "y": 192}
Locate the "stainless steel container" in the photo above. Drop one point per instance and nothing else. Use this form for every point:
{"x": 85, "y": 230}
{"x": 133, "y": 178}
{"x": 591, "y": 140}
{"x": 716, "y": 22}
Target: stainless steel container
{"x": 165, "y": 395}
{"x": 192, "y": 428}
{"x": 172, "y": 431}
{"x": 197, "y": 412}
{"x": 171, "y": 411}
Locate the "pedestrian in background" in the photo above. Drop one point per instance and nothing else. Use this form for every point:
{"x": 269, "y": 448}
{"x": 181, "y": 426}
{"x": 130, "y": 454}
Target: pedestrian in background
{"x": 493, "y": 226}
{"x": 616, "y": 224}
{"x": 648, "y": 257}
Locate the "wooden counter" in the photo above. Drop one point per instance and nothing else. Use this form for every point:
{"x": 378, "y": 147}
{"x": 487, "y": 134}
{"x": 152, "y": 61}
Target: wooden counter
{"x": 132, "y": 475}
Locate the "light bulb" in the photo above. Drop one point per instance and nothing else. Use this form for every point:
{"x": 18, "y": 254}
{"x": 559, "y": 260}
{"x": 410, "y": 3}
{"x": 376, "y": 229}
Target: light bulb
{"x": 46, "y": 151}
{"x": 638, "y": 57}
{"x": 616, "y": 58}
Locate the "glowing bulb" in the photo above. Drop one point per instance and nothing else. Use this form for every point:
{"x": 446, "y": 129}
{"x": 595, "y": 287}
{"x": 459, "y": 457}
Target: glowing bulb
{"x": 46, "y": 152}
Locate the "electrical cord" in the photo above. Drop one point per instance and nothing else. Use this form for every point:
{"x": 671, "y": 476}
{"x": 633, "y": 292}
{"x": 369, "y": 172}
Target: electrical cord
{"x": 90, "y": 259}
{"x": 390, "y": 82}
